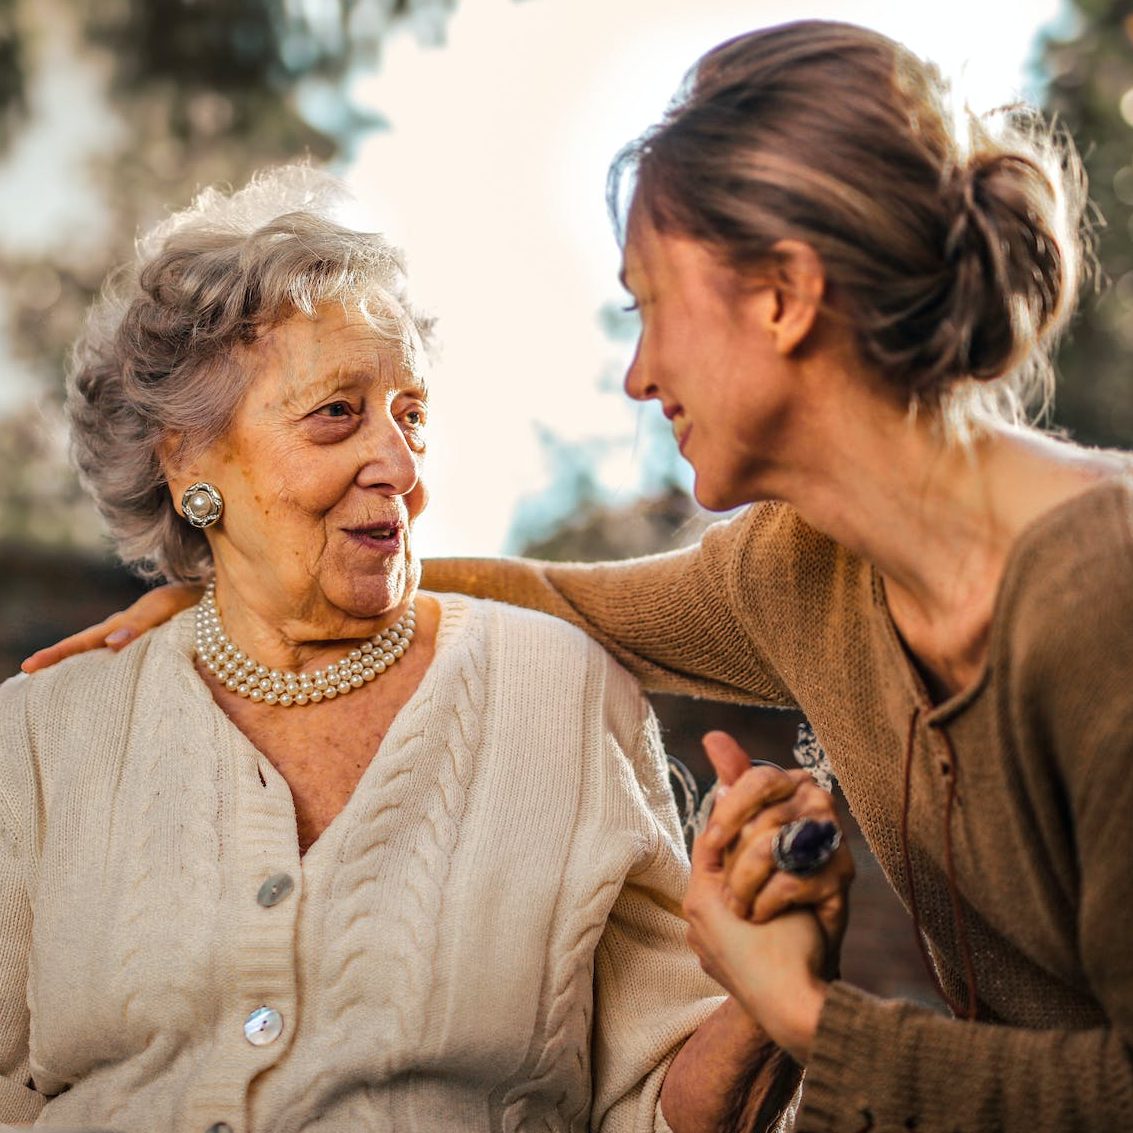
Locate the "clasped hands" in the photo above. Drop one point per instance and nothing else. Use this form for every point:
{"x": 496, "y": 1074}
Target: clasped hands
{"x": 771, "y": 939}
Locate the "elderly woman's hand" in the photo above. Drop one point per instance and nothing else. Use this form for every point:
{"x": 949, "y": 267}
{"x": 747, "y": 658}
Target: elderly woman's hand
{"x": 754, "y": 803}
{"x": 119, "y": 629}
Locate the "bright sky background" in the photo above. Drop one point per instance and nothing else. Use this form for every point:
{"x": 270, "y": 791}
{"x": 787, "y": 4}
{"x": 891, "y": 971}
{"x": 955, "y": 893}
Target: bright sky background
{"x": 493, "y": 176}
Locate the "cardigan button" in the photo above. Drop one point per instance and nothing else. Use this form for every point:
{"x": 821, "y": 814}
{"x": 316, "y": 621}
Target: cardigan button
{"x": 219, "y": 1127}
{"x": 263, "y": 1026}
{"x": 277, "y": 888}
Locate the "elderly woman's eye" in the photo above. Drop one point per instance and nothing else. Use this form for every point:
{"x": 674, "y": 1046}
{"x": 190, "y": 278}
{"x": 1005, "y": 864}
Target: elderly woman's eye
{"x": 413, "y": 420}
{"x": 335, "y": 409}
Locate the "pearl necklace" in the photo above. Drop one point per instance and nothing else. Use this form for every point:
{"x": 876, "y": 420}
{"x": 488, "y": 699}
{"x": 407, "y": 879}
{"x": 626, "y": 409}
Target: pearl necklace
{"x": 243, "y": 675}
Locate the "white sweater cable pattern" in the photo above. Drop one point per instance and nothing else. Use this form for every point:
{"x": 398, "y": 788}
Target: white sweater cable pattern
{"x": 483, "y": 939}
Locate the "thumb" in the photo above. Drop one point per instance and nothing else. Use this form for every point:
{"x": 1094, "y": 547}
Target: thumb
{"x": 707, "y": 858}
{"x": 728, "y": 759}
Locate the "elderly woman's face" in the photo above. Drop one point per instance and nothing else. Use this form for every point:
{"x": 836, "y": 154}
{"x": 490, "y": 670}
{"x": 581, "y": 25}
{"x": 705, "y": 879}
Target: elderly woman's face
{"x": 321, "y": 473}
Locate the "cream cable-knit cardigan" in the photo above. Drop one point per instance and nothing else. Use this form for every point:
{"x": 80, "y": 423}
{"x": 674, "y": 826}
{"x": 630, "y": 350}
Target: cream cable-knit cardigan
{"x": 485, "y": 938}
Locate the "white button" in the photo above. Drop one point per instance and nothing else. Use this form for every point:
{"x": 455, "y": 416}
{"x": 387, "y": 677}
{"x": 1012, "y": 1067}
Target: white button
{"x": 275, "y": 889}
{"x": 263, "y": 1026}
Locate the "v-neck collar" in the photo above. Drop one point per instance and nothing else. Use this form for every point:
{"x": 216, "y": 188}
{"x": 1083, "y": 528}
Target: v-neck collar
{"x": 454, "y": 623}
{"x": 934, "y": 712}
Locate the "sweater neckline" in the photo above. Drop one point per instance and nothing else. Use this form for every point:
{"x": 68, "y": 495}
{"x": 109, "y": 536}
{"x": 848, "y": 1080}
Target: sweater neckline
{"x": 1032, "y": 535}
{"x": 396, "y": 747}
{"x": 455, "y": 609}
{"x": 456, "y": 620}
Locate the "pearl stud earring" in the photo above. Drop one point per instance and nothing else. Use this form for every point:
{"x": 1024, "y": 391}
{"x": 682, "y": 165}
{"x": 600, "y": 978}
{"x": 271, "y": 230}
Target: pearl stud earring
{"x": 201, "y": 504}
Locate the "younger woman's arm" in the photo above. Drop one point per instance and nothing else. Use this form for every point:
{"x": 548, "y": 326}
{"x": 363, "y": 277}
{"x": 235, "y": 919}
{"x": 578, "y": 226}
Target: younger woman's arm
{"x": 118, "y": 630}
{"x": 690, "y": 622}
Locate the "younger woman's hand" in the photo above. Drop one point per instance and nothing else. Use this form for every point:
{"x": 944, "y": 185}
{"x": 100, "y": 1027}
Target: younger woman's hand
{"x": 772, "y": 970}
{"x": 755, "y": 803}
{"x": 118, "y": 630}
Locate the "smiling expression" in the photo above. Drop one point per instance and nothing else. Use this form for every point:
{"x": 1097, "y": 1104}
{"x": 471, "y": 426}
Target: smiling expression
{"x": 321, "y": 476}
{"x": 706, "y": 354}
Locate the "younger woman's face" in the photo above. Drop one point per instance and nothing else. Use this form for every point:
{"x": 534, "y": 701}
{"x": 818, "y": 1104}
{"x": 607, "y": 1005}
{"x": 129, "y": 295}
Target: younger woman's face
{"x": 706, "y": 353}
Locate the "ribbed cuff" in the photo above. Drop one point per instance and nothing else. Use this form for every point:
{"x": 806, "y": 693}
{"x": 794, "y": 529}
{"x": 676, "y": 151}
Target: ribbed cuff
{"x": 856, "y": 1031}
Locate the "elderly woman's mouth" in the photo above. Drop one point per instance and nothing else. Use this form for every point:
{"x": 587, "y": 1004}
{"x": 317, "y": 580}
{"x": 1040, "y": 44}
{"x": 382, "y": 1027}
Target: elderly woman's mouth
{"x": 379, "y": 536}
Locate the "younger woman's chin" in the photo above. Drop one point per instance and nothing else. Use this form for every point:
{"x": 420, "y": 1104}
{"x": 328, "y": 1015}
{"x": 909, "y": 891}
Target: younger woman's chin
{"x": 719, "y": 501}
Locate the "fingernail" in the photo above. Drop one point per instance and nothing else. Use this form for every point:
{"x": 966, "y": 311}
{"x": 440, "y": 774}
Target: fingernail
{"x": 722, "y": 790}
{"x": 119, "y": 637}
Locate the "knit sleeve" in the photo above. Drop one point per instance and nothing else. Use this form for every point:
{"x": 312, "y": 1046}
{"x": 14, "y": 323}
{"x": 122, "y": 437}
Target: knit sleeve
{"x": 18, "y": 1102}
{"x": 880, "y": 1064}
{"x": 676, "y": 621}
{"x": 650, "y": 993}
{"x": 884, "y": 1065}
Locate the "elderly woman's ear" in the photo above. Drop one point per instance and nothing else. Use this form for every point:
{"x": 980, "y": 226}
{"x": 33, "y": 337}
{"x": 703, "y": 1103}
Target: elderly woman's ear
{"x": 171, "y": 456}
{"x": 195, "y": 497}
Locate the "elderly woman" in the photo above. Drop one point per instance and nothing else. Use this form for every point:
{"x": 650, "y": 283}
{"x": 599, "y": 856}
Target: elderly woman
{"x": 327, "y": 852}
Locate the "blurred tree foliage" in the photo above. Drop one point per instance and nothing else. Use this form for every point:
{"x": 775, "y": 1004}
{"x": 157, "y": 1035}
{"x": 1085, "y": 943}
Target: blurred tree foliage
{"x": 598, "y": 531}
{"x": 207, "y": 90}
{"x": 12, "y": 102}
{"x": 1090, "y": 87}
{"x": 195, "y": 92}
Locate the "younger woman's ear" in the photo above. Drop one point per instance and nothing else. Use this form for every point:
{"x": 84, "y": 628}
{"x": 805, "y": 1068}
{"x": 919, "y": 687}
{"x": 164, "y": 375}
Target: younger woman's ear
{"x": 800, "y": 283}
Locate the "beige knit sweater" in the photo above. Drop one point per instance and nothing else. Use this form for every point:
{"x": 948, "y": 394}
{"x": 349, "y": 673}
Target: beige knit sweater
{"x": 767, "y": 610}
{"x": 485, "y": 938}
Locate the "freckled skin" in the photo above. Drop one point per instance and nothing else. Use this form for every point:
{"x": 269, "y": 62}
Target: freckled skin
{"x": 320, "y": 472}
{"x": 329, "y": 439}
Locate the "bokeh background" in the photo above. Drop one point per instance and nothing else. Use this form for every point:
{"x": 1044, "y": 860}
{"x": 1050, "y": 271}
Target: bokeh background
{"x": 477, "y": 132}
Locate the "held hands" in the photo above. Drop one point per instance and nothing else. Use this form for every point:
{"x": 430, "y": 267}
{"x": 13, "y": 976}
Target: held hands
{"x": 118, "y": 630}
{"x": 769, "y": 937}
{"x": 750, "y": 809}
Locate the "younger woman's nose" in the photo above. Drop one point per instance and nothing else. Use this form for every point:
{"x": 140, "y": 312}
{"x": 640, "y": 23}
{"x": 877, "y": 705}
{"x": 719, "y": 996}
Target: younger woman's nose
{"x": 637, "y": 385}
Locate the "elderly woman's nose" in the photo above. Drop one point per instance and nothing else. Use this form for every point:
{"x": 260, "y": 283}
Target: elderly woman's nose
{"x": 388, "y": 462}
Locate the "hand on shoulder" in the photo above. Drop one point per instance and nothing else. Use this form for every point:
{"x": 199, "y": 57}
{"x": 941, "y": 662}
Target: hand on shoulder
{"x": 117, "y": 631}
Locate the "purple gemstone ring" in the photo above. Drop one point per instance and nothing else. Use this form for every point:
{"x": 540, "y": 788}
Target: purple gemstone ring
{"x": 804, "y": 846}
